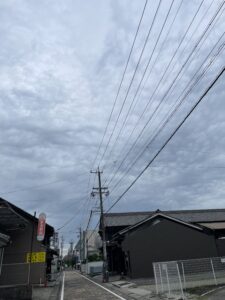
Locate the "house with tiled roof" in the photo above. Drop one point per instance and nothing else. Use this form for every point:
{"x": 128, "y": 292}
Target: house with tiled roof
{"x": 137, "y": 239}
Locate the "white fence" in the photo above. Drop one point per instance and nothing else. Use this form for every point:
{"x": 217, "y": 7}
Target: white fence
{"x": 93, "y": 267}
{"x": 179, "y": 276}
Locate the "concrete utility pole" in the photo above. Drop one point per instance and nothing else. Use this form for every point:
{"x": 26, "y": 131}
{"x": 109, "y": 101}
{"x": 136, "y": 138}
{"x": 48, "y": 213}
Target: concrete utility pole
{"x": 31, "y": 250}
{"x": 61, "y": 246}
{"x": 80, "y": 243}
{"x": 102, "y": 190}
{"x": 86, "y": 245}
{"x": 71, "y": 252}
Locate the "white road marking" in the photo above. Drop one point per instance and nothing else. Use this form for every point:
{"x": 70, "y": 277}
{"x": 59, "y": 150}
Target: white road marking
{"x": 211, "y": 291}
{"x": 121, "y": 298}
{"x": 62, "y": 290}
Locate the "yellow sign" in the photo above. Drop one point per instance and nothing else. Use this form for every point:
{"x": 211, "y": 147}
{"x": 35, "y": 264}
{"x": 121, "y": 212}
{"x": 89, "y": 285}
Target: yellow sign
{"x": 36, "y": 257}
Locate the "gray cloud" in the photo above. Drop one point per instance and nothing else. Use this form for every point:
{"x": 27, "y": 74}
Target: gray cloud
{"x": 61, "y": 63}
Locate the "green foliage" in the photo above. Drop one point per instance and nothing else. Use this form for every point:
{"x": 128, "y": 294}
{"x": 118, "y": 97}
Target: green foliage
{"x": 94, "y": 257}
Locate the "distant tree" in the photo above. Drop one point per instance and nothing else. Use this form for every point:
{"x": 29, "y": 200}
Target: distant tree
{"x": 94, "y": 257}
{"x": 70, "y": 260}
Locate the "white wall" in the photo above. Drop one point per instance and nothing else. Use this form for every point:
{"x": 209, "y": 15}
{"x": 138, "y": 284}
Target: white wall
{"x": 85, "y": 268}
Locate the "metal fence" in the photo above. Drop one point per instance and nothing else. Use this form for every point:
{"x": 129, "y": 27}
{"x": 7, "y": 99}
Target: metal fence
{"x": 179, "y": 276}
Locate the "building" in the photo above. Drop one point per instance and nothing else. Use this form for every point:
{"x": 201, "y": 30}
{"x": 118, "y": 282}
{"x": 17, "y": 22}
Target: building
{"x": 136, "y": 240}
{"x": 93, "y": 242}
{"x": 88, "y": 245}
{"x": 4, "y": 241}
{"x": 24, "y": 260}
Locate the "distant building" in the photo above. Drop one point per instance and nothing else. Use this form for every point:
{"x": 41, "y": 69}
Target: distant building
{"x": 136, "y": 240}
{"x": 89, "y": 244}
{"x": 19, "y": 246}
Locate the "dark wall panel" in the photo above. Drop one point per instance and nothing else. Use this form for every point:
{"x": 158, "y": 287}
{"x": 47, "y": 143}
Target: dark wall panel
{"x": 165, "y": 241}
{"x": 15, "y": 269}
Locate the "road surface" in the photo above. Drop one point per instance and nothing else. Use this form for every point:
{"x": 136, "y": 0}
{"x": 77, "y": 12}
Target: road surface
{"x": 80, "y": 288}
{"x": 219, "y": 294}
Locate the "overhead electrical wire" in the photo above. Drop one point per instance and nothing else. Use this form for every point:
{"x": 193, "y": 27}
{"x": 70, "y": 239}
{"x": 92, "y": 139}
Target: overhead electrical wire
{"x": 142, "y": 78}
{"x": 159, "y": 52}
{"x": 120, "y": 86}
{"x": 187, "y": 43}
{"x": 196, "y": 51}
{"x": 88, "y": 202}
{"x": 211, "y": 61}
{"x": 121, "y": 82}
{"x": 181, "y": 124}
{"x": 178, "y": 103}
{"x": 78, "y": 210}
{"x": 149, "y": 73}
{"x": 166, "y": 142}
{"x": 171, "y": 85}
{"x": 89, "y": 220}
{"x": 140, "y": 57}
{"x": 170, "y": 137}
{"x": 164, "y": 73}
{"x": 131, "y": 82}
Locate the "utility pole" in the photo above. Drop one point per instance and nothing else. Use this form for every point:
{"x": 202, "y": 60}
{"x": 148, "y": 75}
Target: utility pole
{"x": 71, "y": 253}
{"x": 80, "y": 248}
{"x": 86, "y": 245}
{"x": 61, "y": 246}
{"x": 86, "y": 239}
{"x": 31, "y": 249}
{"x": 61, "y": 252}
{"x": 102, "y": 190}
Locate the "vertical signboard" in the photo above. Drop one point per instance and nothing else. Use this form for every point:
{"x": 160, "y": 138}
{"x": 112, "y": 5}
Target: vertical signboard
{"x": 41, "y": 227}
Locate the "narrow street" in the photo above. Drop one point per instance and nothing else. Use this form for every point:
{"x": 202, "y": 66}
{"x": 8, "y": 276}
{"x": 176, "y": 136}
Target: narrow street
{"x": 78, "y": 287}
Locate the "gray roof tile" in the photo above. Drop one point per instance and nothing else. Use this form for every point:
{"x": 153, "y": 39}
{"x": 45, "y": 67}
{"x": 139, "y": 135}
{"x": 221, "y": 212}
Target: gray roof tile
{"x": 190, "y": 216}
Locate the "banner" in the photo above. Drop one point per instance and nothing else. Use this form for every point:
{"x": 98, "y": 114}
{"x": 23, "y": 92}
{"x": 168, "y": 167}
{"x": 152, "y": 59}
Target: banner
{"x": 41, "y": 227}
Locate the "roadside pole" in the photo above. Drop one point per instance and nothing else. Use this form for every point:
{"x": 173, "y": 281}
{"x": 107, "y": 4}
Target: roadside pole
{"x": 80, "y": 250}
{"x": 31, "y": 250}
{"x": 100, "y": 191}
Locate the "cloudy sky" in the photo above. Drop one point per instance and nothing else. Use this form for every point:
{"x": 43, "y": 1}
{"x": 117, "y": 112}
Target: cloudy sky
{"x": 61, "y": 64}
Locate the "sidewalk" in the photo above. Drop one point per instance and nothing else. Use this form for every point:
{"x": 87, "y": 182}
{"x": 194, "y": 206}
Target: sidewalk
{"x": 142, "y": 289}
{"x": 50, "y": 292}
{"x": 81, "y": 287}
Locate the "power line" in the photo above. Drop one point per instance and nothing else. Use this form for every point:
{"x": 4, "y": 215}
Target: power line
{"x": 171, "y": 136}
{"x": 142, "y": 78}
{"x": 196, "y": 50}
{"x": 97, "y": 224}
{"x": 72, "y": 218}
{"x": 166, "y": 93}
{"x": 121, "y": 82}
{"x": 131, "y": 82}
{"x": 152, "y": 67}
{"x": 161, "y": 79}
{"x": 211, "y": 61}
{"x": 89, "y": 220}
{"x": 86, "y": 207}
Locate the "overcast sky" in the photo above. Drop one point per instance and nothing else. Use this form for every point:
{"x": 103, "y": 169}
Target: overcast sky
{"x": 61, "y": 63}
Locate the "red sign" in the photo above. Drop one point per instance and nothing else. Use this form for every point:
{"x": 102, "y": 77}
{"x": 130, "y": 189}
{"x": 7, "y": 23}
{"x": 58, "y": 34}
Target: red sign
{"x": 41, "y": 227}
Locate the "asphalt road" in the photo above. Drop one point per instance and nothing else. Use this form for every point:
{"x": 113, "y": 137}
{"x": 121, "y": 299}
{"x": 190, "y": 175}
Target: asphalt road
{"x": 77, "y": 287}
{"x": 217, "y": 295}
